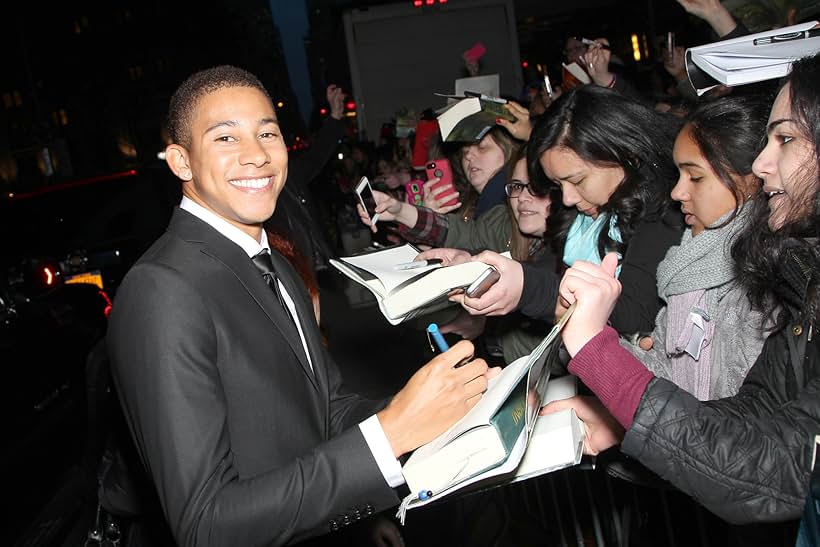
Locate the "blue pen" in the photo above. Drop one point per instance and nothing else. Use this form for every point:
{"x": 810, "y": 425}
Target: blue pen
{"x": 441, "y": 343}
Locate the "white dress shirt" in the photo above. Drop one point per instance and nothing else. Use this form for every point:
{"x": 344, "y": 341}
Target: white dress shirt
{"x": 371, "y": 427}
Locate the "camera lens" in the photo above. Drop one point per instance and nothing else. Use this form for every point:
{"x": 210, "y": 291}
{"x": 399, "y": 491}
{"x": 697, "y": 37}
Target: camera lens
{"x": 438, "y": 173}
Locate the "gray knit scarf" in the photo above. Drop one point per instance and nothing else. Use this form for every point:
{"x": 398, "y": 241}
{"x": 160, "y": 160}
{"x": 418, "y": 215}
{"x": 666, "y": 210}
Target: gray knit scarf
{"x": 701, "y": 262}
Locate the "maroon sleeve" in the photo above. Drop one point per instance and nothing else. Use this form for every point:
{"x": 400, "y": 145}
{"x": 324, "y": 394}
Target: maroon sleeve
{"x": 613, "y": 374}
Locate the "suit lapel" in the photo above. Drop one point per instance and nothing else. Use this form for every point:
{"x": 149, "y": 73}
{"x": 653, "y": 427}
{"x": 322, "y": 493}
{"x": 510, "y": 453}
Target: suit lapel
{"x": 232, "y": 256}
{"x": 304, "y": 312}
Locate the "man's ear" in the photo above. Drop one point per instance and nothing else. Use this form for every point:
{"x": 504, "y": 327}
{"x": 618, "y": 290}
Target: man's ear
{"x": 177, "y": 159}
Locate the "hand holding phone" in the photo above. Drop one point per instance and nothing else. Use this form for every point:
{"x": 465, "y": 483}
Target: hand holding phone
{"x": 440, "y": 169}
{"x": 367, "y": 199}
{"x": 414, "y": 192}
{"x": 481, "y": 285}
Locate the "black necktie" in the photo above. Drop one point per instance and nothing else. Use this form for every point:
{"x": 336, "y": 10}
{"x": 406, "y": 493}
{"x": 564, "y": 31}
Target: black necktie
{"x": 264, "y": 264}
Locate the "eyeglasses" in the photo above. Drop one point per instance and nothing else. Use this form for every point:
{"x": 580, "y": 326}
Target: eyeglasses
{"x": 513, "y": 189}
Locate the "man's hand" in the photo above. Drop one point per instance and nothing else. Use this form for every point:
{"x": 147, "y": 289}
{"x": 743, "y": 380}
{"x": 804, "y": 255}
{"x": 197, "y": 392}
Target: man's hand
{"x": 596, "y": 62}
{"x": 601, "y": 429}
{"x": 504, "y": 295}
{"x": 438, "y": 395}
{"x": 435, "y": 198}
{"x": 521, "y": 128}
{"x": 336, "y": 100}
{"x": 595, "y": 290}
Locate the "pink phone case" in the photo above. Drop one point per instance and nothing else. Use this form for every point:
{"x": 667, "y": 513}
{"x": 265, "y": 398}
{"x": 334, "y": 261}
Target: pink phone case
{"x": 414, "y": 192}
{"x": 440, "y": 168}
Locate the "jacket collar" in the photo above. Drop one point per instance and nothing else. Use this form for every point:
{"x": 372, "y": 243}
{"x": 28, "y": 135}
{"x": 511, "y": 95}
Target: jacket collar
{"x": 798, "y": 271}
{"x": 194, "y": 230}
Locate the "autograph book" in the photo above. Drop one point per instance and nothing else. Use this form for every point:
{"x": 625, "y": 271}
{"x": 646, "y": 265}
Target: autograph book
{"x": 406, "y": 293}
{"x": 491, "y": 444}
{"x": 751, "y": 58}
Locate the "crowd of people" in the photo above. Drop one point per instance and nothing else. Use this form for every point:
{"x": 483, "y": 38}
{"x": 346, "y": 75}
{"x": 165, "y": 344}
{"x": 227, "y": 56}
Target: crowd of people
{"x": 685, "y": 237}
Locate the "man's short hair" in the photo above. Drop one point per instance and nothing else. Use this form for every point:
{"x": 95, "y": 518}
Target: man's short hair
{"x": 199, "y": 84}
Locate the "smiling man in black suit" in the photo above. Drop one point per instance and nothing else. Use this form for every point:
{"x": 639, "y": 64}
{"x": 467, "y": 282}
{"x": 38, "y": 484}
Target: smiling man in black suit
{"x": 236, "y": 409}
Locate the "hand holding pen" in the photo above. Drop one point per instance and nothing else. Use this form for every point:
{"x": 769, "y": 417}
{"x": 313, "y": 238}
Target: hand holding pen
{"x": 437, "y": 395}
{"x": 596, "y": 62}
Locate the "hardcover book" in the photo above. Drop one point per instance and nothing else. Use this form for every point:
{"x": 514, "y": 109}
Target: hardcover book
{"x": 751, "y": 58}
{"x": 471, "y": 118}
{"x": 487, "y": 446}
{"x": 406, "y": 293}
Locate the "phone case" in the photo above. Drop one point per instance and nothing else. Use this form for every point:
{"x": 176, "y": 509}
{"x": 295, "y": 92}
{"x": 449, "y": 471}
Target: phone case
{"x": 414, "y": 192}
{"x": 365, "y": 193}
{"x": 440, "y": 168}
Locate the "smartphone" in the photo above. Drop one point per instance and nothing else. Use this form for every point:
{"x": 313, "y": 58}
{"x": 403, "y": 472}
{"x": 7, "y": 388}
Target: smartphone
{"x": 367, "y": 199}
{"x": 548, "y": 86}
{"x": 440, "y": 169}
{"x": 670, "y": 42}
{"x": 481, "y": 285}
{"x": 414, "y": 192}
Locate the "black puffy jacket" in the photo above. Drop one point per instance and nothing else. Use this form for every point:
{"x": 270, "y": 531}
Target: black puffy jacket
{"x": 746, "y": 458}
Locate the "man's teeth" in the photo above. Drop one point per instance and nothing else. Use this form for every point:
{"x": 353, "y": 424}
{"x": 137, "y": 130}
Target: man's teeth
{"x": 251, "y": 183}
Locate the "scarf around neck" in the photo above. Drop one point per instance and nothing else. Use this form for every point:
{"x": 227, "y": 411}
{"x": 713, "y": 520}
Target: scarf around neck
{"x": 703, "y": 261}
{"x": 582, "y": 239}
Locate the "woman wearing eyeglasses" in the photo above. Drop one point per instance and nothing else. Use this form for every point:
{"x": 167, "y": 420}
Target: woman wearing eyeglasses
{"x": 517, "y": 226}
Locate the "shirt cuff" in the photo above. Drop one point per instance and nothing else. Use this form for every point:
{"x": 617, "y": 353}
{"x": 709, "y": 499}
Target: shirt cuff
{"x": 380, "y": 448}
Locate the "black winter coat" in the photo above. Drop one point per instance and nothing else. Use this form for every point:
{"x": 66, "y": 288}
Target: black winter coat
{"x": 747, "y": 458}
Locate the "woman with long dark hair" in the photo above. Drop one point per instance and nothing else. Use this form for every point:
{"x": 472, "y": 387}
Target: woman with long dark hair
{"x": 707, "y": 336}
{"x": 611, "y": 158}
{"x": 748, "y": 457}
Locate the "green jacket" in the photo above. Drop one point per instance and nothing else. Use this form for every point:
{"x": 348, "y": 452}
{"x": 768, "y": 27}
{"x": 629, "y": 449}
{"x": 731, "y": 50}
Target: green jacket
{"x": 492, "y": 231}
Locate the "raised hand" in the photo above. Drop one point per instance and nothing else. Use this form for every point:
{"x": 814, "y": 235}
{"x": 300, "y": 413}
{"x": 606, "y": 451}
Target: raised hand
{"x": 336, "y": 100}
{"x": 435, "y": 198}
{"x": 713, "y": 12}
{"x": 521, "y": 128}
{"x": 675, "y": 63}
{"x": 595, "y": 290}
{"x": 596, "y": 62}
{"x": 389, "y": 208}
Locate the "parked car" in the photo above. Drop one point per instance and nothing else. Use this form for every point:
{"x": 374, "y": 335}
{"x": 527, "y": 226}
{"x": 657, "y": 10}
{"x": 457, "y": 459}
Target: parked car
{"x": 65, "y": 249}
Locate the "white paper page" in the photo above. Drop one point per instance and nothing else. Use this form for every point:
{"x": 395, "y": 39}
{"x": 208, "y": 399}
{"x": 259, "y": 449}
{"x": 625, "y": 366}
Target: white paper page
{"x": 382, "y": 265}
{"x": 508, "y": 466}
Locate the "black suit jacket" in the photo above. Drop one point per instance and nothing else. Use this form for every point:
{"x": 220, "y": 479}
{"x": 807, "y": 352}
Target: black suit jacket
{"x": 244, "y": 443}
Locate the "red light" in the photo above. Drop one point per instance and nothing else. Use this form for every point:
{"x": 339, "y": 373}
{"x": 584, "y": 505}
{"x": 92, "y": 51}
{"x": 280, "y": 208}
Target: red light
{"x": 49, "y": 276}
{"x": 442, "y": 1}
{"x": 108, "y": 305}
{"x": 350, "y": 105}
{"x": 524, "y": 64}
{"x": 416, "y": 3}
{"x": 323, "y": 111}
{"x": 429, "y": 2}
